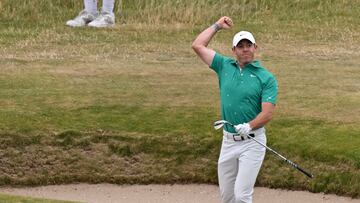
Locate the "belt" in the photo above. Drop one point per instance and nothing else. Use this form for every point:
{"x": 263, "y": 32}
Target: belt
{"x": 237, "y": 137}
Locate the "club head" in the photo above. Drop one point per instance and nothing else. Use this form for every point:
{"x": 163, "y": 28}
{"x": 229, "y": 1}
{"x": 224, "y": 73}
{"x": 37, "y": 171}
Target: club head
{"x": 219, "y": 124}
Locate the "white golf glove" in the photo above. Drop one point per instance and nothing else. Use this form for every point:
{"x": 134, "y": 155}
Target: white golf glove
{"x": 243, "y": 129}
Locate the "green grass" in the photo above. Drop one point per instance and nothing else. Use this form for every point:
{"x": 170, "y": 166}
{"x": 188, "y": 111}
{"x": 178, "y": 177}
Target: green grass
{"x": 17, "y": 199}
{"x": 133, "y": 104}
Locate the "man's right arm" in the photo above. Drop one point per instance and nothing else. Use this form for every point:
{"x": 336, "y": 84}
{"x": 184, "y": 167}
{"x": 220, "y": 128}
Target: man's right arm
{"x": 201, "y": 42}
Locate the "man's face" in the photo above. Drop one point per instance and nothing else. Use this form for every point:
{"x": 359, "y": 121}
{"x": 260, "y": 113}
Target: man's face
{"x": 244, "y": 51}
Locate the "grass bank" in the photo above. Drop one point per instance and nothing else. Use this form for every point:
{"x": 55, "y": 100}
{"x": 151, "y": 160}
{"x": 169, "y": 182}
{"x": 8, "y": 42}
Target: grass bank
{"x": 18, "y": 199}
{"x": 133, "y": 104}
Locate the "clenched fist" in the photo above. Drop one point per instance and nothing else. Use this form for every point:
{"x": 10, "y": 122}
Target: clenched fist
{"x": 224, "y": 22}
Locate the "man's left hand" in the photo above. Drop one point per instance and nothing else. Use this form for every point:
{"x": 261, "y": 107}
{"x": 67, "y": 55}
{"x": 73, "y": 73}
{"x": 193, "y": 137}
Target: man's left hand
{"x": 243, "y": 129}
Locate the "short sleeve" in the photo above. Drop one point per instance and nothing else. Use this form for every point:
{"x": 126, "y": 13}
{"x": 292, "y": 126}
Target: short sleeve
{"x": 270, "y": 91}
{"x": 217, "y": 63}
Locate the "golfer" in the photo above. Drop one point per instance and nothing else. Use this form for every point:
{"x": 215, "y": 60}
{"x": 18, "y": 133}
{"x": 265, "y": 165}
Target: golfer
{"x": 248, "y": 95}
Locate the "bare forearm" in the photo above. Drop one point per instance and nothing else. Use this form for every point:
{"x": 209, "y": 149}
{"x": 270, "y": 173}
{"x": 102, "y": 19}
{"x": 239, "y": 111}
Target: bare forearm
{"x": 202, "y": 40}
{"x": 261, "y": 120}
{"x": 204, "y": 37}
{"x": 264, "y": 116}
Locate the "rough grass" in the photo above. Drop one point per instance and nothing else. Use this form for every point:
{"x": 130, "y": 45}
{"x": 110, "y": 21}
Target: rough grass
{"x": 133, "y": 104}
{"x": 19, "y": 199}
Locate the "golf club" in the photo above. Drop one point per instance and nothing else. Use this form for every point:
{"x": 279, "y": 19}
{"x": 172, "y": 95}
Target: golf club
{"x": 219, "y": 124}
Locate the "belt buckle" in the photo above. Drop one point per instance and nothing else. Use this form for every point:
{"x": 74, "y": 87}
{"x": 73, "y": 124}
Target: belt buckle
{"x": 242, "y": 137}
{"x": 236, "y": 140}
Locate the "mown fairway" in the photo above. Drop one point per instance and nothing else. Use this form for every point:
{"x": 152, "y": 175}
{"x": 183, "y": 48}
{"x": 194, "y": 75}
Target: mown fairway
{"x": 133, "y": 104}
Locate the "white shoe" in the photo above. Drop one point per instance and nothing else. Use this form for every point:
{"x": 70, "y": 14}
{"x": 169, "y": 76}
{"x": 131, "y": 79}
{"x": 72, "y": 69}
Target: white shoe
{"x": 82, "y": 19}
{"x": 105, "y": 19}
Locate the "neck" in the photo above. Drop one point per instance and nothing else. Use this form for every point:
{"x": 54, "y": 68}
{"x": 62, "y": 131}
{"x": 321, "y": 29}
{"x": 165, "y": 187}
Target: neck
{"x": 242, "y": 65}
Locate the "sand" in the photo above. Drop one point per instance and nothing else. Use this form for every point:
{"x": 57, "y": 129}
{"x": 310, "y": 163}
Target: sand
{"x": 193, "y": 193}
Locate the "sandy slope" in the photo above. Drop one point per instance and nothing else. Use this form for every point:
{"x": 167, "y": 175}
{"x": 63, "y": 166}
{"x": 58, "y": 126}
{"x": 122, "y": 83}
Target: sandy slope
{"x": 106, "y": 193}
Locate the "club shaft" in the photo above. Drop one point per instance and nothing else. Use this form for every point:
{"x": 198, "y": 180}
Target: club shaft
{"x": 221, "y": 123}
{"x": 281, "y": 156}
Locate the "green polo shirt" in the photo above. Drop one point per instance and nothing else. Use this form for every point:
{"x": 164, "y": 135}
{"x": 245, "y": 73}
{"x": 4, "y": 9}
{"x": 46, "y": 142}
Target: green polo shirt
{"x": 243, "y": 90}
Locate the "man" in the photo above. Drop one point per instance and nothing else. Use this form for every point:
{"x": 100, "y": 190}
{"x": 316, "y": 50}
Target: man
{"x": 91, "y": 17}
{"x": 248, "y": 95}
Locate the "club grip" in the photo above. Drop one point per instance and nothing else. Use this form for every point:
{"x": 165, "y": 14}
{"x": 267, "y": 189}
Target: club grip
{"x": 305, "y": 172}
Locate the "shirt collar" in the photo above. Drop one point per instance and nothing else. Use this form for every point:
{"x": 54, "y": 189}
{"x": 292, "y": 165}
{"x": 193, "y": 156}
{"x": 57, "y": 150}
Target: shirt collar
{"x": 254, "y": 63}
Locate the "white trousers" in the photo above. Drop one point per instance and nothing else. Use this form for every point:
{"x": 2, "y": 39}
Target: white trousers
{"x": 107, "y": 6}
{"x": 238, "y": 166}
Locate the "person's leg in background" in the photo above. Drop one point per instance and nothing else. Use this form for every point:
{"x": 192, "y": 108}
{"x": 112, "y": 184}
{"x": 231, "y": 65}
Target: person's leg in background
{"x": 108, "y": 6}
{"x": 90, "y": 6}
{"x": 86, "y": 16}
{"x": 106, "y": 17}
